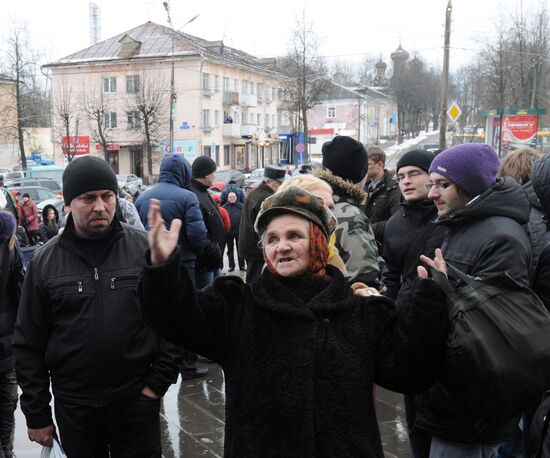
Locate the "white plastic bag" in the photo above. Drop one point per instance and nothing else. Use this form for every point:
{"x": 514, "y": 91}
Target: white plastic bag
{"x": 53, "y": 452}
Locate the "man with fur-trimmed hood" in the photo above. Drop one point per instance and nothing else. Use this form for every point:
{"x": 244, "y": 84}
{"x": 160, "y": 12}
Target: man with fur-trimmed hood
{"x": 346, "y": 164}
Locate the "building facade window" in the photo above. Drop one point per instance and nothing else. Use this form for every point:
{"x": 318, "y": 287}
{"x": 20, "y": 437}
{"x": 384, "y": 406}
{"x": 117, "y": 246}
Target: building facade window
{"x": 132, "y": 83}
{"x": 216, "y": 118}
{"x": 217, "y": 154}
{"x": 273, "y": 124}
{"x": 216, "y": 83}
{"x": 236, "y": 117}
{"x": 110, "y": 120}
{"x": 245, "y": 118}
{"x": 258, "y": 119}
{"x": 109, "y": 84}
{"x": 226, "y": 84}
{"x": 235, "y": 85}
{"x": 206, "y": 118}
{"x": 205, "y": 81}
{"x": 267, "y": 125}
{"x": 132, "y": 119}
{"x": 331, "y": 112}
{"x": 227, "y": 154}
{"x": 244, "y": 87}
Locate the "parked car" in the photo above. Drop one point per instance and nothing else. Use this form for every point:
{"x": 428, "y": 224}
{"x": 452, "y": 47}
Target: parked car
{"x": 57, "y": 203}
{"x": 254, "y": 179}
{"x": 36, "y": 193}
{"x": 130, "y": 183}
{"x": 14, "y": 174}
{"x": 306, "y": 168}
{"x": 43, "y": 182}
{"x": 4, "y": 170}
{"x": 231, "y": 174}
{"x": 431, "y": 147}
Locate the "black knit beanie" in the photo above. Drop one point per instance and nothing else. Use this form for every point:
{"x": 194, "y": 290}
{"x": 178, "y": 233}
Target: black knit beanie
{"x": 202, "y": 166}
{"x": 418, "y": 158}
{"x": 88, "y": 173}
{"x": 346, "y": 157}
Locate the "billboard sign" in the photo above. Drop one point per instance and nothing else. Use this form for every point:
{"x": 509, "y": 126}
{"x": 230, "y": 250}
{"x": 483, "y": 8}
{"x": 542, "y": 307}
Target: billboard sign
{"x": 78, "y": 146}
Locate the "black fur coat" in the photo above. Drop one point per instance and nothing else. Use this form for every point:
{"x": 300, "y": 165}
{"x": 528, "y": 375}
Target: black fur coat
{"x": 300, "y": 361}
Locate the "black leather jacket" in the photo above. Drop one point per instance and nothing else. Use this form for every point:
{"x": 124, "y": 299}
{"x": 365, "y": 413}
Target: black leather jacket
{"x": 80, "y": 325}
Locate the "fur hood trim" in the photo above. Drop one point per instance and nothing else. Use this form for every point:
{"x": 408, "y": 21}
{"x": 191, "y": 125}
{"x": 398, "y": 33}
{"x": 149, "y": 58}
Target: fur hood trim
{"x": 341, "y": 187}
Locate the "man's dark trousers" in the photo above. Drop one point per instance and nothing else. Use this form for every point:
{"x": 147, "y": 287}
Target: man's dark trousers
{"x": 129, "y": 428}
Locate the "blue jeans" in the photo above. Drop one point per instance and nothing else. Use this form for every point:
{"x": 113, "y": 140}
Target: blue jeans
{"x": 442, "y": 448}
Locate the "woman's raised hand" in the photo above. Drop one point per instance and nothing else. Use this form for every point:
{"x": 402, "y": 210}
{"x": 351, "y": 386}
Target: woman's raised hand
{"x": 162, "y": 242}
{"x": 438, "y": 263}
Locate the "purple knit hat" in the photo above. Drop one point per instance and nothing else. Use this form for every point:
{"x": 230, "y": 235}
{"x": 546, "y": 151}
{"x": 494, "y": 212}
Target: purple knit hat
{"x": 472, "y": 167}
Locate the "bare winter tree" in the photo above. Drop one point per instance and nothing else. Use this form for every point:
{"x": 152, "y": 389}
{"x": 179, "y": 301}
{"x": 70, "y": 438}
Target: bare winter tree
{"x": 416, "y": 90}
{"x": 68, "y": 116}
{"x": 512, "y": 70}
{"x": 306, "y": 76}
{"x": 147, "y": 114}
{"x": 20, "y": 67}
{"x": 97, "y": 108}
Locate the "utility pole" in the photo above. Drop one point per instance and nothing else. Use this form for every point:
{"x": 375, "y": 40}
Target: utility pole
{"x": 445, "y": 80}
{"x": 172, "y": 91}
{"x": 173, "y": 95}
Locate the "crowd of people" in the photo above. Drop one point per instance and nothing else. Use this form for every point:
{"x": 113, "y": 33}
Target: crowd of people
{"x": 338, "y": 298}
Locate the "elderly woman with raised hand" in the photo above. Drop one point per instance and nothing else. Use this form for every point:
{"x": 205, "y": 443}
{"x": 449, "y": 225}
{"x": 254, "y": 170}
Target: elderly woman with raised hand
{"x": 299, "y": 349}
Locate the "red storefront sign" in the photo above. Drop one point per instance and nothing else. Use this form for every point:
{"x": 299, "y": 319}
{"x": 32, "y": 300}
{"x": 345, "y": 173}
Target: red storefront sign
{"x": 520, "y": 128}
{"x": 110, "y": 147}
{"x": 79, "y": 147}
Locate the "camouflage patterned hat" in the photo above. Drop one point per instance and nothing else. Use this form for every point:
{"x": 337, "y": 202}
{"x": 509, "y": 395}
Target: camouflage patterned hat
{"x": 299, "y": 202}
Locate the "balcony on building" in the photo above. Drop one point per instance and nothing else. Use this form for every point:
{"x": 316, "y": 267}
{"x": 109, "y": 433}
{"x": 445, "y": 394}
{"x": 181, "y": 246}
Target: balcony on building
{"x": 206, "y": 128}
{"x": 249, "y": 100}
{"x": 231, "y": 130}
{"x": 247, "y": 130}
{"x": 207, "y": 91}
{"x": 230, "y": 98}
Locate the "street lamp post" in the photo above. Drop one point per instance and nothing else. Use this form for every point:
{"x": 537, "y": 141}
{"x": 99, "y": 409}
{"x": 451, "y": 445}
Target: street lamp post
{"x": 173, "y": 96}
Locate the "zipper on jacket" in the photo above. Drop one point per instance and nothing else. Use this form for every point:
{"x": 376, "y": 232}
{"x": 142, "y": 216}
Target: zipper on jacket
{"x": 121, "y": 278}
{"x": 96, "y": 274}
{"x": 326, "y": 322}
{"x": 79, "y": 286}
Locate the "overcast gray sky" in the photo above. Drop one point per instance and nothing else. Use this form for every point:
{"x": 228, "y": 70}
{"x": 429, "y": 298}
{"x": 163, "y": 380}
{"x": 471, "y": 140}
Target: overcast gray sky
{"x": 348, "y": 30}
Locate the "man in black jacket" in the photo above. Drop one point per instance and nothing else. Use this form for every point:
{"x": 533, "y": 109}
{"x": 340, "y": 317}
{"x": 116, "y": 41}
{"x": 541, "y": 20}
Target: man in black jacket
{"x": 248, "y": 246}
{"x": 79, "y": 327}
{"x": 411, "y": 231}
{"x": 383, "y": 193}
{"x": 484, "y": 217}
{"x": 210, "y": 262}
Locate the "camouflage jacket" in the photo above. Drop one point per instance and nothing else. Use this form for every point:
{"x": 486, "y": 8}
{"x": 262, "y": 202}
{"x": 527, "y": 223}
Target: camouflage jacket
{"x": 354, "y": 236}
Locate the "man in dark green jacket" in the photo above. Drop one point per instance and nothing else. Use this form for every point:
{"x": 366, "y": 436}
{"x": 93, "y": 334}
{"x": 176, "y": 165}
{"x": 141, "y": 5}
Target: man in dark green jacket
{"x": 248, "y": 238}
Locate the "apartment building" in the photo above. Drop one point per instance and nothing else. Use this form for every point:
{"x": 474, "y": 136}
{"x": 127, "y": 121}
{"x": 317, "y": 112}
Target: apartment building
{"x": 225, "y": 100}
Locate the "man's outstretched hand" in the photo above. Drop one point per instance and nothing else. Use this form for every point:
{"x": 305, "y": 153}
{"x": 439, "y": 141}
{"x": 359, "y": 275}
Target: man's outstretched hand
{"x": 438, "y": 263}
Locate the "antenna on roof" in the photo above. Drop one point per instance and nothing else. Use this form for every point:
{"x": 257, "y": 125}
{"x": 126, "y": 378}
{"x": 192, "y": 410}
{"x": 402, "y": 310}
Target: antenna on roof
{"x": 95, "y": 23}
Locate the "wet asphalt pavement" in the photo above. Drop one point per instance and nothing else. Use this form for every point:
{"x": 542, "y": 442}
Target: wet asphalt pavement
{"x": 192, "y": 420}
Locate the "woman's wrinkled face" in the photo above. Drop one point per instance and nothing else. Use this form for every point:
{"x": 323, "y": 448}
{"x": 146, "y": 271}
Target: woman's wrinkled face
{"x": 286, "y": 245}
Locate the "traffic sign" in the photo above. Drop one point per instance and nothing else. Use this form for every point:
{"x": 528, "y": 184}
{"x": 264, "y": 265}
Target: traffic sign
{"x": 454, "y": 112}
{"x": 300, "y": 148}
